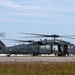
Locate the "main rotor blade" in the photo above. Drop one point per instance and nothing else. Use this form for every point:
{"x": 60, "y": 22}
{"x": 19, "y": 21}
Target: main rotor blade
{"x": 43, "y": 35}
{"x": 19, "y": 40}
{"x": 71, "y": 38}
{"x": 33, "y": 37}
{"x": 33, "y": 34}
{"x": 68, "y": 36}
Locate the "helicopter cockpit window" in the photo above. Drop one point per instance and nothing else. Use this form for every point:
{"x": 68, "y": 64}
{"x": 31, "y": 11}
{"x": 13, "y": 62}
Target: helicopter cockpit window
{"x": 42, "y": 47}
{"x": 72, "y": 46}
{"x": 69, "y": 46}
{"x": 47, "y": 46}
{"x": 10, "y": 50}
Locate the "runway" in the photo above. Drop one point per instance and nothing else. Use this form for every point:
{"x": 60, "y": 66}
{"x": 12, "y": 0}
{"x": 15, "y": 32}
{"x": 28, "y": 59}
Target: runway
{"x": 37, "y": 59}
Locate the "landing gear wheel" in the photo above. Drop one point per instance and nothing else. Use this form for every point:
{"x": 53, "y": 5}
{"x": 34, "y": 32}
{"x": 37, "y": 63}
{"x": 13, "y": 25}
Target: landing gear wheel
{"x": 8, "y": 55}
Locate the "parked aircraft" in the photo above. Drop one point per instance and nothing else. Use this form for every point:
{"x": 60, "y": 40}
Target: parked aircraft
{"x": 36, "y": 48}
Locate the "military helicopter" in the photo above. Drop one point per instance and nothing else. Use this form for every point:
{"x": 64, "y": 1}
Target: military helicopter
{"x": 36, "y": 48}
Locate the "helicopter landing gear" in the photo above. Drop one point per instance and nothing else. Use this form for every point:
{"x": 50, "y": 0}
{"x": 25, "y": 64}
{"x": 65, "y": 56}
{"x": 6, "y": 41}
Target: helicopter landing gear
{"x": 35, "y": 54}
{"x": 8, "y": 55}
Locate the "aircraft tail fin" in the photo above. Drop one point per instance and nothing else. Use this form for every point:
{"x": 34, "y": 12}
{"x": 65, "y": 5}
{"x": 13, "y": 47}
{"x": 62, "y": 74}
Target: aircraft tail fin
{"x": 2, "y": 44}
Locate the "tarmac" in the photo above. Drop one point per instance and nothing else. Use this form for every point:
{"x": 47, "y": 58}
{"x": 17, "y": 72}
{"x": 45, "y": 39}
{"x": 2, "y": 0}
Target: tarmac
{"x": 37, "y": 59}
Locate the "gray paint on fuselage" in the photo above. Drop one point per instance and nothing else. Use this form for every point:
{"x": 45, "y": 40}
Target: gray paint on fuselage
{"x": 37, "y": 47}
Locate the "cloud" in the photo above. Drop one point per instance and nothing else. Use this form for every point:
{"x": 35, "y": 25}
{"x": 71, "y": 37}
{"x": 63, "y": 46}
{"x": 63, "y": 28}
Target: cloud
{"x": 69, "y": 0}
{"x": 44, "y": 19}
{"x": 16, "y": 6}
{"x": 38, "y": 8}
{"x": 34, "y": 15}
{"x": 42, "y": 9}
{"x": 25, "y": 21}
{"x": 7, "y": 4}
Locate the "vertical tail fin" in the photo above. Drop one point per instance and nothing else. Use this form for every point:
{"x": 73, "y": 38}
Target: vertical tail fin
{"x": 1, "y": 44}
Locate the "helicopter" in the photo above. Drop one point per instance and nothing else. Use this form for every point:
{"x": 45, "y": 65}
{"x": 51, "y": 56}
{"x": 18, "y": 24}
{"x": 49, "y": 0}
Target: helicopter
{"x": 36, "y": 48}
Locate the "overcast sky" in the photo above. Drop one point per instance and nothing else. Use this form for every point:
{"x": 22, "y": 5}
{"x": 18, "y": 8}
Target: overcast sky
{"x": 37, "y": 16}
